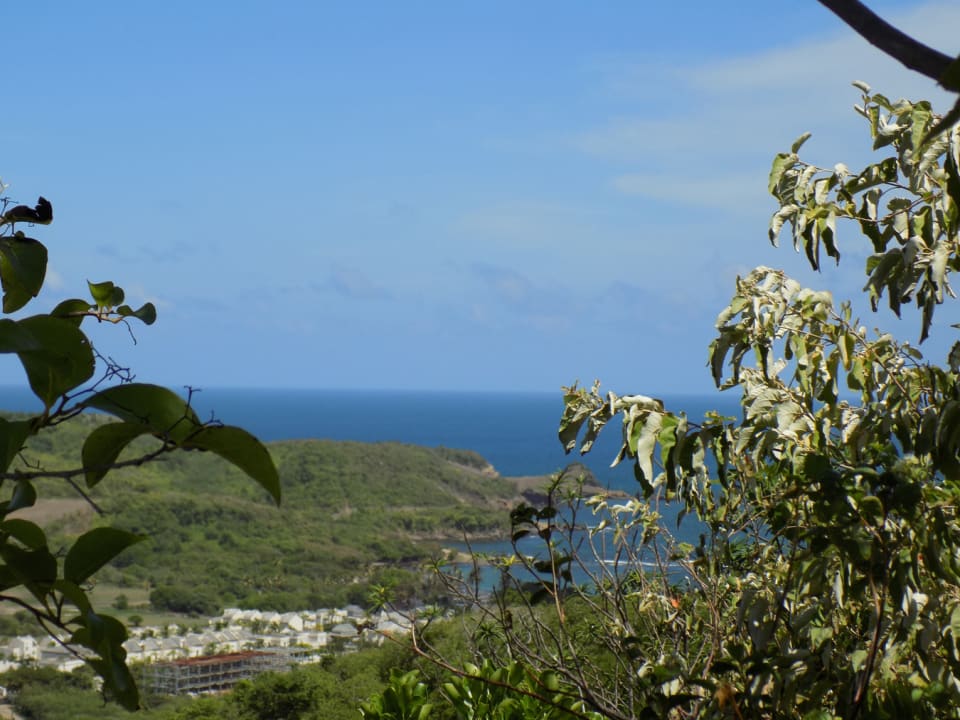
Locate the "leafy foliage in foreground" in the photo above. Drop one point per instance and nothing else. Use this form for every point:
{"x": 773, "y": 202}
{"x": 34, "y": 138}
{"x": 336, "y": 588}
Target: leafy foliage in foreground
{"x": 826, "y": 580}
{"x": 60, "y": 364}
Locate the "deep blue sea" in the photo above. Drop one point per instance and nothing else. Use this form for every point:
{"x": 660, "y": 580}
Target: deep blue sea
{"x": 516, "y": 432}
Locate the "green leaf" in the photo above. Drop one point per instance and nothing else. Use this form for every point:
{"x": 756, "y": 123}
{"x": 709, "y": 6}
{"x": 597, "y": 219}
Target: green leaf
{"x": 954, "y": 357}
{"x": 72, "y": 310}
{"x": 62, "y": 360}
{"x": 99, "y": 632}
{"x": 955, "y": 622}
{"x": 944, "y": 124}
{"x": 105, "y": 635}
{"x": 104, "y": 445}
{"x": 147, "y": 313}
{"x": 13, "y": 434}
{"x": 643, "y": 439}
{"x": 105, "y": 294}
{"x": 787, "y": 212}
{"x": 887, "y": 266}
{"x": 858, "y": 658}
{"x": 23, "y": 266}
{"x": 31, "y": 567}
{"x": 847, "y": 344}
{"x": 781, "y": 163}
{"x": 28, "y": 533}
{"x": 938, "y": 269}
{"x": 24, "y": 496}
{"x": 163, "y": 411}
{"x": 871, "y": 509}
{"x": 74, "y": 594}
{"x": 718, "y": 355}
{"x": 798, "y": 143}
{"x": 14, "y": 338}
{"x": 550, "y": 680}
{"x": 239, "y": 447}
{"x": 94, "y": 549}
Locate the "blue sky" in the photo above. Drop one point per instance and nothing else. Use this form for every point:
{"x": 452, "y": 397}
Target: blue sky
{"x": 430, "y": 195}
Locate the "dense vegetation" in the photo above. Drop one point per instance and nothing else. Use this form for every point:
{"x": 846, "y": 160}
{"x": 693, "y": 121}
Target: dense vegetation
{"x": 331, "y": 690}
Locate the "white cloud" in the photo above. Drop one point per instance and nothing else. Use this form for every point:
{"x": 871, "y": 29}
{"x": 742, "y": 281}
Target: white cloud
{"x": 53, "y": 280}
{"x": 137, "y": 294}
{"x": 732, "y": 115}
{"x": 526, "y": 225}
{"x": 736, "y": 192}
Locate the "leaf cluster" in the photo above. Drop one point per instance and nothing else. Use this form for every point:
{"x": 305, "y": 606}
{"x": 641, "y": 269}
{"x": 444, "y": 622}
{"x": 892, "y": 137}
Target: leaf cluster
{"x": 826, "y": 579}
{"x": 60, "y": 364}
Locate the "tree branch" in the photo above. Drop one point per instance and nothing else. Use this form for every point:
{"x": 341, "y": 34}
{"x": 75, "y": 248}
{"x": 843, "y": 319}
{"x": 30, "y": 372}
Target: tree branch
{"x": 881, "y": 34}
{"x": 68, "y": 475}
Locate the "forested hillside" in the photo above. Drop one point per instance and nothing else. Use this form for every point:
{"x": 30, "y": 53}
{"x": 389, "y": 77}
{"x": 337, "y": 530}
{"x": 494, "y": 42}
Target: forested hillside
{"x": 352, "y": 514}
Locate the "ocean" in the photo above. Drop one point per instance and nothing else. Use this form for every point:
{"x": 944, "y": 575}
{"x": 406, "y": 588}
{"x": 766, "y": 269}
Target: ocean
{"x": 515, "y": 432}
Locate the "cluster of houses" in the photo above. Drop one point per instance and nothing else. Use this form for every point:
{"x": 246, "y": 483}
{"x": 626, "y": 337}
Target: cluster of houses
{"x": 297, "y": 636}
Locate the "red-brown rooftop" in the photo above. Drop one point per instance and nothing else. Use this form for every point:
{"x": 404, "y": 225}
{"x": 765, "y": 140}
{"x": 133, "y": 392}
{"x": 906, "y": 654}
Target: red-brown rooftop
{"x": 214, "y": 659}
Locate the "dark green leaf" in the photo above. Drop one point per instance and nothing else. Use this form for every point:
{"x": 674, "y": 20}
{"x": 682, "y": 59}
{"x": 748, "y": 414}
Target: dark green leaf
{"x": 28, "y": 533}
{"x": 62, "y": 360}
{"x": 163, "y": 411}
{"x": 93, "y": 550}
{"x": 14, "y": 338}
{"x": 99, "y": 632}
{"x": 105, "y": 635}
{"x": 118, "y": 681}
{"x": 23, "y": 266}
{"x": 887, "y": 266}
{"x": 954, "y": 357}
{"x": 32, "y": 567}
{"x": 147, "y": 313}
{"x": 104, "y": 445}
{"x": 74, "y": 595}
{"x": 13, "y": 434}
{"x": 243, "y": 450}
{"x": 72, "y": 310}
